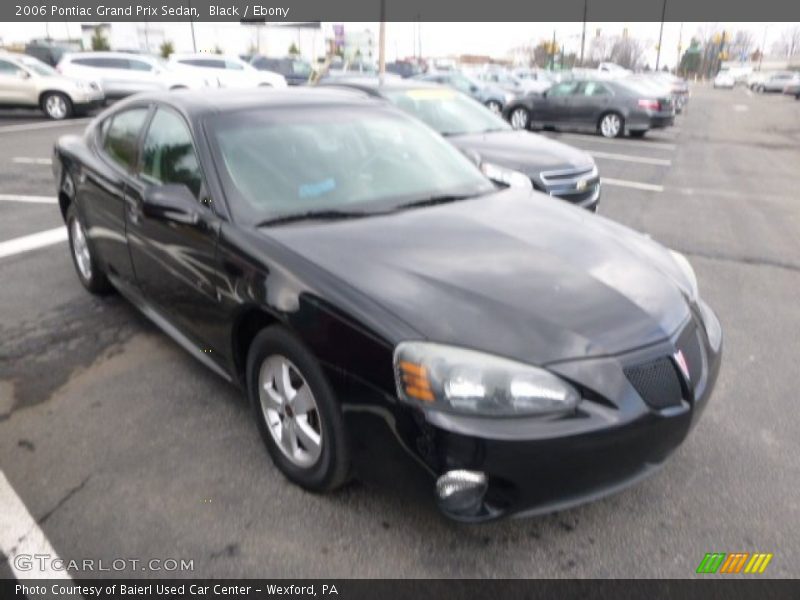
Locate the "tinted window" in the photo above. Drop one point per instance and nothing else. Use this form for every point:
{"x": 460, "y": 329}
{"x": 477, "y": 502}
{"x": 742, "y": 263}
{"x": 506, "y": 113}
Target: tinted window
{"x": 288, "y": 161}
{"x": 562, "y": 89}
{"x": 233, "y": 66}
{"x": 139, "y": 65}
{"x": 102, "y": 63}
{"x": 168, "y": 154}
{"x": 592, "y": 88}
{"x": 8, "y": 68}
{"x": 204, "y": 62}
{"x": 448, "y": 111}
{"x": 122, "y": 135}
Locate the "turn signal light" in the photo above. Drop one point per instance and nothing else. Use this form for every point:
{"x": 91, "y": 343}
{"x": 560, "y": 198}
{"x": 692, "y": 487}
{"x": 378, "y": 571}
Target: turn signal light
{"x": 415, "y": 381}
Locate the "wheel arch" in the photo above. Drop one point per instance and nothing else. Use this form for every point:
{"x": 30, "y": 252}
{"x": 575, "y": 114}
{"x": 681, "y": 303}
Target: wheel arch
{"x": 245, "y": 328}
{"x": 45, "y": 92}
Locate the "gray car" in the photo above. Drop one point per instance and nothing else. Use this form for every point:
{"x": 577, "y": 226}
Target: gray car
{"x": 778, "y": 81}
{"x": 493, "y": 97}
{"x": 609, "y": 107}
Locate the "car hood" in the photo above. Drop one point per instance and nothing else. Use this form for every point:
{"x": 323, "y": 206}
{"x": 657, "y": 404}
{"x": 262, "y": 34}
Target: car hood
{"x": 517, "y": 274}
{"x": 523, "y": 151}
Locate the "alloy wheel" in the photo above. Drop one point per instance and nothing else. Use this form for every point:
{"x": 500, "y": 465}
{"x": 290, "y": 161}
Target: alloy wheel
{"x": 290, "y": 411}
{"x": 494, "y": 106}
{"x": 610, "y": 125}
{"x": 519, "y": 118}
{"x": 80, "y": 249}
{"x": 55, "y": 106}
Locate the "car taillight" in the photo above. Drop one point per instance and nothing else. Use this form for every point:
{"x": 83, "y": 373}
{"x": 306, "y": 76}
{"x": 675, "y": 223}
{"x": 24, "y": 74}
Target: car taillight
{"x": 650, "y": 104}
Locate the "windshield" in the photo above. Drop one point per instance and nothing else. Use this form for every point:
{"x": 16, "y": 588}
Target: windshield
{"x": 300, "y": 67}
{"x": 38, "y": 67}
{"x": 289, "y": 161}
{"x": 447, "y": 111}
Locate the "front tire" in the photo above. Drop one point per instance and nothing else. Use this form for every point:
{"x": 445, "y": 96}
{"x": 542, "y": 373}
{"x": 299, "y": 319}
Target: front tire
{"x": 519, "y": 118}
{"x": 86, "y": 266}
{"x": 57, "y": 106}
{"x": 298, "y": 416}
{"x": 611, "y": 125}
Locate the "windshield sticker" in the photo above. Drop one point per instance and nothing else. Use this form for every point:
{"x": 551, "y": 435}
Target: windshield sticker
{"x": 311, "y": 190}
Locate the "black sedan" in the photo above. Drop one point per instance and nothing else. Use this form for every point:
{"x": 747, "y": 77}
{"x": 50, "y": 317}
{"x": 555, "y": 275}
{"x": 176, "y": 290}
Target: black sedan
{"x": 381, "y": 302}
{"x": 609, "y": 107}
{"x": 502, "y": 153}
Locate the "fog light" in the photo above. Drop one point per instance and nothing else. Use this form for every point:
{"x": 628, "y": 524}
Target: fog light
{"x": 461, "y": 492}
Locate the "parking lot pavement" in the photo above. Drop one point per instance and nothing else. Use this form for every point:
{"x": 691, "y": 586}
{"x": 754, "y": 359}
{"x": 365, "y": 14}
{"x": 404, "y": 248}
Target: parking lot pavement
{"x": 120, "y": 445}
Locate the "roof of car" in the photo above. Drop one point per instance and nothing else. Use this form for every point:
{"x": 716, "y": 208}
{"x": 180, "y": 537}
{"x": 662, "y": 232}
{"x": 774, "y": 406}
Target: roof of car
{"x": 373, "y": 86}
{"x": 212, "y": 101}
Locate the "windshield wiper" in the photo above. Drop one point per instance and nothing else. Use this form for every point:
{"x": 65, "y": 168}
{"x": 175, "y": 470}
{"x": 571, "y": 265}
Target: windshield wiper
{"x": 434, "y": 200}
{"x": 313, "y": 215}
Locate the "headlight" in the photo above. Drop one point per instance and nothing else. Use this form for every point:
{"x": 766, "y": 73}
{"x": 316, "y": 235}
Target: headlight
{"x": 688, "y": 271}
{"x": 467, "y": 381}
{"x": 506, "y": 176}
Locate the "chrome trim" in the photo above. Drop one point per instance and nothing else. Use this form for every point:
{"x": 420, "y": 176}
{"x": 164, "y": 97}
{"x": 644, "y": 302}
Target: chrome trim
{"x": 568, "y": 176}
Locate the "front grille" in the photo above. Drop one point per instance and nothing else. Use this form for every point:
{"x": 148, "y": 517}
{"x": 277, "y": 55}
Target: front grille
{"x": 657, "y": 382}
{"x": 572, "y": 185}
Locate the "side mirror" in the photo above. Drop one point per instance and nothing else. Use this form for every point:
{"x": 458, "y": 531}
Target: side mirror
{"x": 23, "y": 74}
{"x": 171, "y": 202}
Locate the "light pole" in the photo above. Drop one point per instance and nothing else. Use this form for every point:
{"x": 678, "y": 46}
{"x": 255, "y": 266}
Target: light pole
{"x": 660, "y": 34}
{"x": 191, "y": 24}
{"x": 382, "y": 45}
{"x": 583, "y": 33}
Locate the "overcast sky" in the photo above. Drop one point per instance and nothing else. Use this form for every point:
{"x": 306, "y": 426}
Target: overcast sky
{"x": 494, "y": 39}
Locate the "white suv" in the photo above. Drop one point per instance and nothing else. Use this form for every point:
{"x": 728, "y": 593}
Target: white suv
{"x": 227, "y": 71}
{"x": 122, "y": 74}
{"x": 28, "y": 82}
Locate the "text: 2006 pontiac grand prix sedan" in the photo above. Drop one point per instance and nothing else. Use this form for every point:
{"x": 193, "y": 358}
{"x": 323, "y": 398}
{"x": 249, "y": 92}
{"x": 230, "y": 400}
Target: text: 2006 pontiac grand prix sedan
{"x": 381, "y": 301}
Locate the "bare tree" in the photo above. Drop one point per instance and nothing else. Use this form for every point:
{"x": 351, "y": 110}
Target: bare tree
{"x": 627, "y": 52}
{"x": 789, "y": 43}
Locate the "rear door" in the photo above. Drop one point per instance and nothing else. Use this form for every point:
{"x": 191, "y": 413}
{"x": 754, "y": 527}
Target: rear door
{"x": 102, "y": 186}
{"x": 174, "y": 262}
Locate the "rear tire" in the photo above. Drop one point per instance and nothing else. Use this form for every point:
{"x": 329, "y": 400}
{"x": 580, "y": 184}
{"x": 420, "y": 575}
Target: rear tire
{"x": 290, "y": 396}
{"x": 57, "y": 106}
{"x": 611, "y": 125}
{"x": 86, "y": 266}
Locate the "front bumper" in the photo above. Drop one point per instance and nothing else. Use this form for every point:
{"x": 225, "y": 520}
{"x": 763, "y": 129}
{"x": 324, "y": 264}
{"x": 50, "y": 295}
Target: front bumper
{"x": 537, "y": 465}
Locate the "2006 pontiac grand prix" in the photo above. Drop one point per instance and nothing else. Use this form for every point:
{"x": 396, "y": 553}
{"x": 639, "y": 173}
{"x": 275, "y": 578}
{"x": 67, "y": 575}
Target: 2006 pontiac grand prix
{"x": 379, "y": 299}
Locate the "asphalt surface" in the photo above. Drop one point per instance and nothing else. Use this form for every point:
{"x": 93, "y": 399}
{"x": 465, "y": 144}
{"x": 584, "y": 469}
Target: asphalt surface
{"x": 120, "y": 445}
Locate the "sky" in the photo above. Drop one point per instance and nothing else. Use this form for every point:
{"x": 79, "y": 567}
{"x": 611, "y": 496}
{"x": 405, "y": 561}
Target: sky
{"x": 493, "y": 39}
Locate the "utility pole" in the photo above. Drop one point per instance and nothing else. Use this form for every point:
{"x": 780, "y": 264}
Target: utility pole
{"x": 191, "y": 24}
{"x": 661, "y": 34}
{"x": 382, "y": 45}
{"x": 680, "y": 42}
{"x": 553, "y": 52}
{"x": 583, "y": 33}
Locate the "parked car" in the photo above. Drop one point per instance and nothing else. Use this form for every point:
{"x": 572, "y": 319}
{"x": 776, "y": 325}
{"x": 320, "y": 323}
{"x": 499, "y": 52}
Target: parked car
{"x": 677, "y": 87}
{"x": 122, "y": 73}
{"x": 381, "y": 302}
{"x": 226, "y": 71}
{"x": 403, "y": 68}
{"x": 491, "y": 96}
{"x": 26, "y": 82}
{"x": 295, "y": 70}
{"x": 757, "y": 77}
{"x": 776, "y": 82}
{"x": 611, "y": 107}
{"x": 513, "y": 84}
{"x": 550, "y": 166}
{"x": 793, "y": 89}
{"x": 724, "y": 79}
{"x": 46, "y": 51}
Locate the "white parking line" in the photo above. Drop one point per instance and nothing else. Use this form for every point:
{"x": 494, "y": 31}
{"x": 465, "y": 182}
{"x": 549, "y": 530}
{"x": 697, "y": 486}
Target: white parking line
{"x": 47, "y": 125}
{"x": 635, "y": 159}
{"x": 26, "y": 160}
{"x": 636, "y": 185}
{"x": 33, "y": 199}
{"x": 21, "y": 539}
{"x": 598, "y": 140}
{"x": 741, "y": 107}
{"x": 33, "y": 241}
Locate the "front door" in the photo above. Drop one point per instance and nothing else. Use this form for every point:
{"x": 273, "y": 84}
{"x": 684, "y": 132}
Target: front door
{"x": 174, "y": 262}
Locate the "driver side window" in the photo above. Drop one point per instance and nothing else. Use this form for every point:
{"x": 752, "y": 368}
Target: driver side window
{"x": 168, "y": 154}
{"x": 562, "y": 89}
